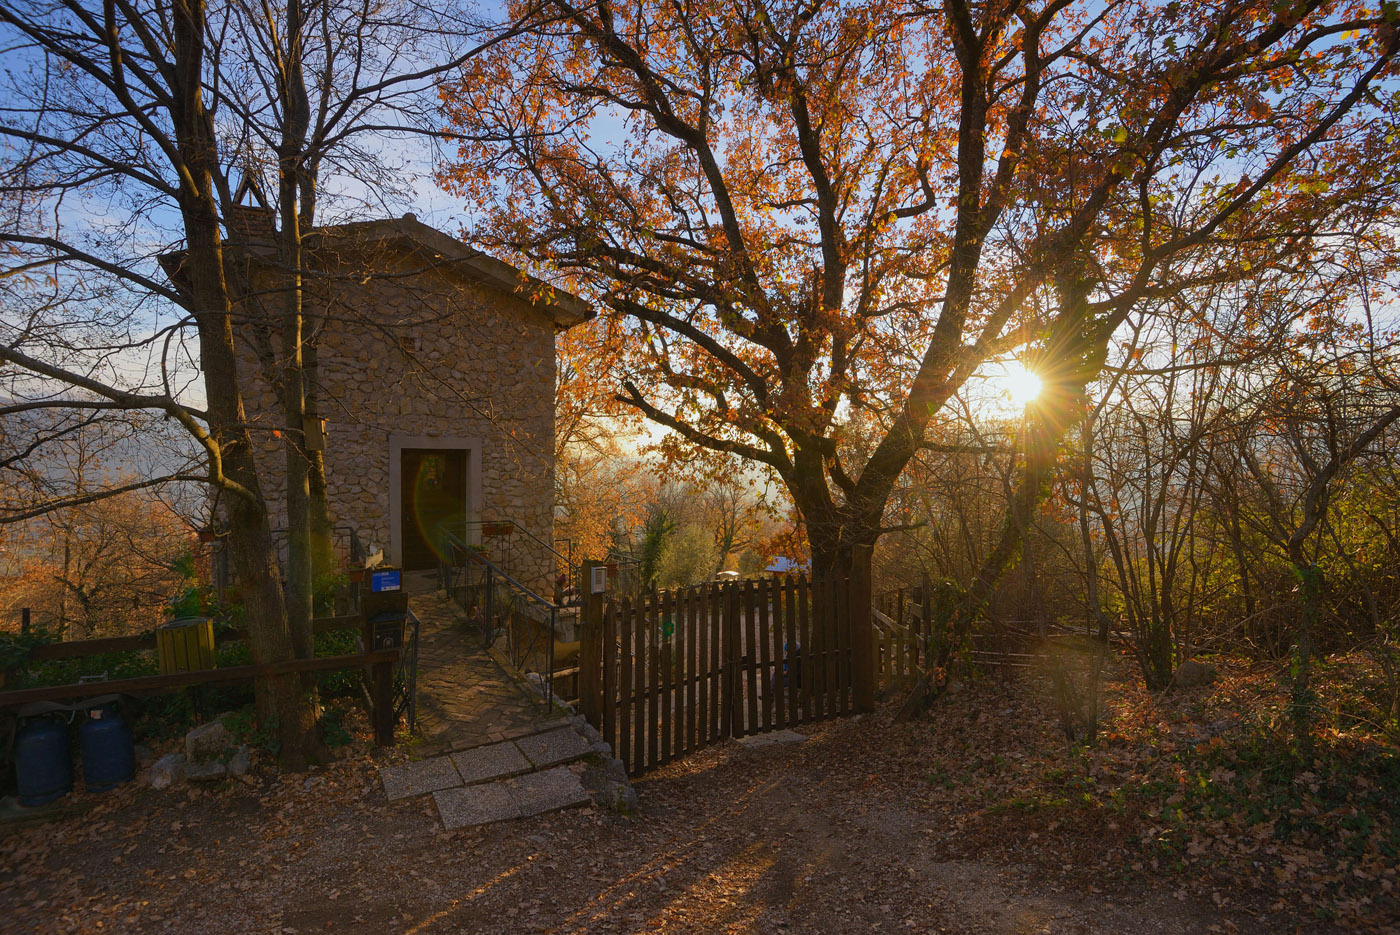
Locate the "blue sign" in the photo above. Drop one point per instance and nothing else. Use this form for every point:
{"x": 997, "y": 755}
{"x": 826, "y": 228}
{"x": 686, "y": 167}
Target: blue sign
{"x": 384, "y": 581}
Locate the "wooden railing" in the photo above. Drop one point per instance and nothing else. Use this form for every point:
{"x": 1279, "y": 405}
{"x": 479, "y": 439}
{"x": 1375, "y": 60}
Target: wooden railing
{"x": 379, "y": 664}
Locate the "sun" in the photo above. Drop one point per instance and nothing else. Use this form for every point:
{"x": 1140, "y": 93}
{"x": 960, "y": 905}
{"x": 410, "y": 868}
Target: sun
{"x": 1020, "y": 385}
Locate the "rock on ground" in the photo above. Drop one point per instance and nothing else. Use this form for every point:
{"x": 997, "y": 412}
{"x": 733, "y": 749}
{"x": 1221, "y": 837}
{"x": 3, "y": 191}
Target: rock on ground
{"x": 240, "y": 762}
{"x": 1192, "y": 674}
{"x": 168, "y": 770}
{"x": 206, "y": 772}
{"x": 207, "y": 742}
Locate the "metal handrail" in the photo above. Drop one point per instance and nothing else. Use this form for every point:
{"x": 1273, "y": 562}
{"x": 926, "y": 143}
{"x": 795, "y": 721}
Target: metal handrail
{"x": 476, "y": 556}
{"x": 454, "y": 546}
{"x": 568, "y": 562}
{"x": 533, "y": 547}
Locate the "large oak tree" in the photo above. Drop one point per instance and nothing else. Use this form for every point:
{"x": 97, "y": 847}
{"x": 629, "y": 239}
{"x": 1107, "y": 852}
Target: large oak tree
{"x": 821, "y": 219}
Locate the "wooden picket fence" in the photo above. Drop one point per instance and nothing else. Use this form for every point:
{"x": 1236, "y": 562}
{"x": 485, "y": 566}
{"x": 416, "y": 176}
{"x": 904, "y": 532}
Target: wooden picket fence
{"x": 672, "y": 672}
{"x": 901, "y": 630}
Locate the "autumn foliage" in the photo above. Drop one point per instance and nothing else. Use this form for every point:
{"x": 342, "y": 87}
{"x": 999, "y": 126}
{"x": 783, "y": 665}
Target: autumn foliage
{"x": 816, "y": 223}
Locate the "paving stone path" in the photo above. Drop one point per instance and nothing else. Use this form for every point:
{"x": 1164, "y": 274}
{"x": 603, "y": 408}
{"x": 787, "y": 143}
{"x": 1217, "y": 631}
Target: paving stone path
{"x": 490, "y": 750}
{"x": 465, "y": 698}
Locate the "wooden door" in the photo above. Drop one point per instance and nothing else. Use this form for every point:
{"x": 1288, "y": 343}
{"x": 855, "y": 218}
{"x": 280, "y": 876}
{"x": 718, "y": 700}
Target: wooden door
{"x": 434, "y": 501}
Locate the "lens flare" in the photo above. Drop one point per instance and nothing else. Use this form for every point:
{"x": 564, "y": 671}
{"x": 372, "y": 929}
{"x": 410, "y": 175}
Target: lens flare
{"x": 1021, "y": 386}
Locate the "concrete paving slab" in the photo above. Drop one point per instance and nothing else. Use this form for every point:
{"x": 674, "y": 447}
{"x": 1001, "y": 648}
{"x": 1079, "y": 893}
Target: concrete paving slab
{"x": 493, "y": 761}
{"x": 772, "y": 737}
{"x": 547, "y": 791}
{"x": 411, "y": 779}
{"x": 553, "y": 747}
{"x": 476, "y": 805}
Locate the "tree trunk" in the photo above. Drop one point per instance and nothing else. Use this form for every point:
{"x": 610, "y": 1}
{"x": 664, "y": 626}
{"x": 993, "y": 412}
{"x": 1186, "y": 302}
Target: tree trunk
{"x": 280, "y": 703}
{"x": 300, "y": 594}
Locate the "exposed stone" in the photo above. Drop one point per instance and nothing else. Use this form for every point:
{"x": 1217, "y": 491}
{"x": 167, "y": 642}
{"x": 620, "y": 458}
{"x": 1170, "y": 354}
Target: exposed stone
{"x": 553, "y": 747}
{"x": 615, "y": 770}
{"x": 475, "y": 805}
{"x": 547, "y": 791}
{"x": 609, "y": 786}
{"x": 207, "y": 742}
{"x": 1193, "y": 674}
{"x": 206, "y": 772}
{"x": 168, "y": 770}
{"x": 771, "y": 738}
{"x": 241, "y": 762}
{"x": 473, "y": 341}
{"x": 410, "y": 779}
{"x": 493, "y": 761}
{"x": 620, "y": 797}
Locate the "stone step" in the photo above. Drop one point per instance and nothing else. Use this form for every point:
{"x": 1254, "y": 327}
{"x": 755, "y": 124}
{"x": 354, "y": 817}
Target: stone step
{"x": 489, "y": 763}
{"x": 520, "y": 797}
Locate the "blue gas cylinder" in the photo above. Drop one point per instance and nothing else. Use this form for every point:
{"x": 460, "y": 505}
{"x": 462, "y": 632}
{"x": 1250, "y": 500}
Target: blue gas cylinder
{"x": 43, "y": 767}
{"x": 109, "y": 757}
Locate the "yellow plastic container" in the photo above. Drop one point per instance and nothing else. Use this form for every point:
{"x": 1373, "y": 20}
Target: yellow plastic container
{"x": 185, "y": 645}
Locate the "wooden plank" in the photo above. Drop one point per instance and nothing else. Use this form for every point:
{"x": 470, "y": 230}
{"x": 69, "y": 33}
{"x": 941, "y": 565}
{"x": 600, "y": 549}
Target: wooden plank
{"x": 702, "y": 667}
{"x": 818, "y": 650}
{"x": 841, "y": 635}
{"x": 880, "y": 664}
{"x": 639, "y": 683}
{"x": 777, "y": 689}
{"x": 804, "y": 636}
{"x": 158, "y": 684}
{"x": 589, "y": 660}
{"x": 751, "y": 723}
{"x": 841, "y": 645}
{"x": 716, "y": 598}
{"x": 692, "y": 668}
{"x": 828, "y": 664}
{"x": 678, "y": 675}
{"x": 653, "y": 628}
{"x": 623, "y": 747}
{"x": 764, "y": 651}
{"x": 838, "y": 679}
{"x": 730, "y": 717}
{"x": 77, "y": 649}
{"x": 666, "y": 671}
{"x": 610, "y": 664}
{"x": 790, "y": 657}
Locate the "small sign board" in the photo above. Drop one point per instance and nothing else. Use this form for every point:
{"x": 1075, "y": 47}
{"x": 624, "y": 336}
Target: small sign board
{"x": 598, "y": 579}
{"x": 385, "y": 581}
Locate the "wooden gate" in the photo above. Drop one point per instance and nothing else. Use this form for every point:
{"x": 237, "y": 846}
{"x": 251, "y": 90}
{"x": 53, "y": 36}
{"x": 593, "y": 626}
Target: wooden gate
{"x": 672, "y": 672}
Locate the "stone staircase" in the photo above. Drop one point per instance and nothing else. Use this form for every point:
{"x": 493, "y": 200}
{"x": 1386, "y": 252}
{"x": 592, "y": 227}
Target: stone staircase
{"x": 536, "y": 772}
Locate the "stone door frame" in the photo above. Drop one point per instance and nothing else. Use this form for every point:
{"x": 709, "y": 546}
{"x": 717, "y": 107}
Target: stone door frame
{"x": 397, "y": 443}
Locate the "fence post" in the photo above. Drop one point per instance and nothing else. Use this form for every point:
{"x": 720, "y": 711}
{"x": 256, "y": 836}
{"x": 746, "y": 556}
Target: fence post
{"x": 731, "y": 714}
{"x": 862, "y": 631}
{"x": 590, "y": 672}
{"x": 382, "y": 679}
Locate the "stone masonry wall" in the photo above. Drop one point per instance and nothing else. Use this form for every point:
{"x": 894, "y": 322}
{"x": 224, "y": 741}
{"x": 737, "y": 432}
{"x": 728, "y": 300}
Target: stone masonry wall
{"x": 414, "y": 351}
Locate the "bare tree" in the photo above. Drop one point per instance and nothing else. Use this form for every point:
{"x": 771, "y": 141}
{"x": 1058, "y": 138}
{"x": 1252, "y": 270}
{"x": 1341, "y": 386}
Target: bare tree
{"x": 130, "y": 128}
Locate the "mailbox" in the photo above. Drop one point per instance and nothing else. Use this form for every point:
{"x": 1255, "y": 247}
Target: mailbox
{"x": 386, "y": 630}
{"x": 385, "y": 610}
